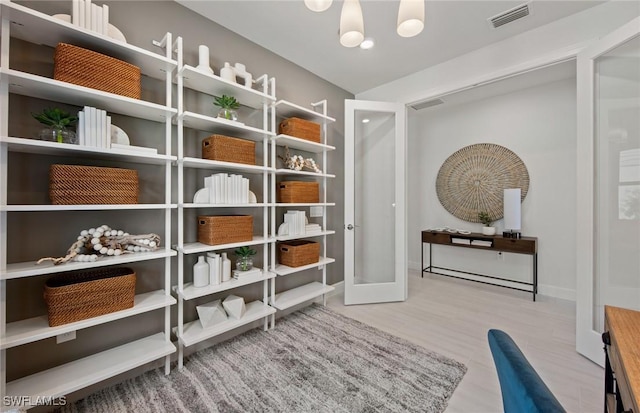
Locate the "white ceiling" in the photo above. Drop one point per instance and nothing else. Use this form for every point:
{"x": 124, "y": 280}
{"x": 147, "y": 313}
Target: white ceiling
{"x": 310, "y": 40}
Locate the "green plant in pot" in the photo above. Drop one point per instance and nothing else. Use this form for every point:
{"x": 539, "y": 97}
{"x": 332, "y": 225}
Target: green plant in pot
{"x": 228, "y": 106}
{"x": 57, "y": 121}
{"x": 486, "y": 221}
{"x": 244, "y": 254}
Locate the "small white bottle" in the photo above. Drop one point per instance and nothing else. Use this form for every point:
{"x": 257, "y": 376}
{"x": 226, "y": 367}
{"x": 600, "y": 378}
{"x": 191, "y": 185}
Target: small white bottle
{"x": 228, "y": 73}
{"x": 200, "y": 273}
{"x": 226, "y": 267}
{"x": 214, "y": 268}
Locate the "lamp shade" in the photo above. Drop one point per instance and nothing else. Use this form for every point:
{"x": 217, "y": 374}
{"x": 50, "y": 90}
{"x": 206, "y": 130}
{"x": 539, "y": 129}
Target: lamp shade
{"x": 512, "y": 209}
{"x": 410, "y": 17}
{"x": 318, "y": 5}
{"x": 351, "y": 24}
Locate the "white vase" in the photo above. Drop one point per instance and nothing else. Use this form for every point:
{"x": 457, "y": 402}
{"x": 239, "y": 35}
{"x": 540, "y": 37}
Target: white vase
{"x": 201, "y": 273}
{"x": 226, "y": 267}
{"x": 203, "y": 59}
{"x": 214, "y": 268}
{"x": 489, "y": 230}
{"x": 228, "y": 73}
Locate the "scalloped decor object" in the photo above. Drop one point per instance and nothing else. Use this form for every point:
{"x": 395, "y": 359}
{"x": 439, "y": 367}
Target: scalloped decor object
{"x": 473, "y": 178}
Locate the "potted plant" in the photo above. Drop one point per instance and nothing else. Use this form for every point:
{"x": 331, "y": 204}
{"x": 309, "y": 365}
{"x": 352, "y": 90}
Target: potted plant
{"x": 244, "y": 262}
{"x": 486, "y": 220}
{"x": 228, "y": 106}
{"x": 57, "y": 121}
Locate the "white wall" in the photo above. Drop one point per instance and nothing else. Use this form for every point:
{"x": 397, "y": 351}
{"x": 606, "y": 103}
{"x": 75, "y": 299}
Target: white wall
{"x": 539, "y": 125}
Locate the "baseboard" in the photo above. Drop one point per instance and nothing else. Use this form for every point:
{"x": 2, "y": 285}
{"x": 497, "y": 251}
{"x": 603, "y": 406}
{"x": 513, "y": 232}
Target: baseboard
{"x": 557, "y": 292}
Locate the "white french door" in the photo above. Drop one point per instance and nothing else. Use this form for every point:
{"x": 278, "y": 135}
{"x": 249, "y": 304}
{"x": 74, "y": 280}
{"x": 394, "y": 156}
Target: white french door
{"x": 608, "y": 213}
{"x": 375, "y": 205}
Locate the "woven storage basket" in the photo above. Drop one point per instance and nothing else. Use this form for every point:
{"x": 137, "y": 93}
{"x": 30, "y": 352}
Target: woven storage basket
{"x": 75, "y": 296}
{"x": 78, "y": 184}
{"x": 298, "y": 253}
{"x": 224, "y": 229}
{"x": 87, "y": 68}
{"x": 228, "y": 149}
{"x": 299, "y": 192}
{"x": 301, "y": 128}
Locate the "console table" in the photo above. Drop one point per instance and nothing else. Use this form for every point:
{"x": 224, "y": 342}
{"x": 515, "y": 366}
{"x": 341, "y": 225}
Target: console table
{"x": 622, "y": 364}
{"x": 494, "y": 243}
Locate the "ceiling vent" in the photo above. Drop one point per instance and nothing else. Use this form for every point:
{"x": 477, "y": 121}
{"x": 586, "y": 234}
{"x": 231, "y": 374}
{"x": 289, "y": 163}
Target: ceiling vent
{"x": 509, "y": 16}
{"x": 427, "y": 104}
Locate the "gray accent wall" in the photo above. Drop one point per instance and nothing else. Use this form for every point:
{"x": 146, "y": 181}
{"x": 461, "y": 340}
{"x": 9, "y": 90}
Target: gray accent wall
{"x": 142, "y": 22}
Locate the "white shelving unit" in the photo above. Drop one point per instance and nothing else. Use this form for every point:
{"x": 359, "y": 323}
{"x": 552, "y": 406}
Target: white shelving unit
{"x": 194, "y": 81}
{"x": 32, "y": 26}
{"x": 317, "y": 113}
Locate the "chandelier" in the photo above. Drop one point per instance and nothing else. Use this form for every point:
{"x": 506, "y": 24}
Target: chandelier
{"x": 410, "y": 19}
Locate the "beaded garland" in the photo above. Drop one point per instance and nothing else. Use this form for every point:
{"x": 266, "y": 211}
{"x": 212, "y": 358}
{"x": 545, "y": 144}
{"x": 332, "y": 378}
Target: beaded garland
{"x": 102, "y": 241}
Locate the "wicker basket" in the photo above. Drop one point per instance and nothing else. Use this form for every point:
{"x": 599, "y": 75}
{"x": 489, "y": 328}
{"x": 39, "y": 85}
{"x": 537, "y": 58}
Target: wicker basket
{"x": 299, "y": 192}
{"x": 78, "y": 185}
{"x": 301, "y": 128}
{"x": 224, "y": 229}
{"x": 87, "y": 68}
{"x": 228, "y": 149}
{"x": 75, "y": 296}
{"x": 298, "y": 253}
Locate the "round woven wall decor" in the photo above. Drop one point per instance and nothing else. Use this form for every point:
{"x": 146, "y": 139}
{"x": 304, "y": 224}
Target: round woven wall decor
{"x": 474, "y": 177}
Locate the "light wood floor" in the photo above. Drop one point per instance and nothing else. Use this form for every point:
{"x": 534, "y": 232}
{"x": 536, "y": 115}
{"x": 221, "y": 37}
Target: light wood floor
{"x": 452, "y": 317}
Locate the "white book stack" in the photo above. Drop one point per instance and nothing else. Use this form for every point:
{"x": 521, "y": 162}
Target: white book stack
{"x": 296, "y": 221}
{"x": 481, "y": 243}
{"x": 461, "y": 241}
{"x": 90, "y": 16}
{"x": 237, "y": 274}
{"x": 94, "y": 128}
{"x": 309, "y": 228}
{"x": 227, "y": 189}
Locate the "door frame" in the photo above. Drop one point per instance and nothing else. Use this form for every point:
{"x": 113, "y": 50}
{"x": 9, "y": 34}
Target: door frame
{"x": 588, "y": 341}
{"x": 376, "y": 292}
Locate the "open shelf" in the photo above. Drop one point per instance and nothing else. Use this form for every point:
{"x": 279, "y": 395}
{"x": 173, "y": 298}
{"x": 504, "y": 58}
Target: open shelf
{"x": 40, "y": 87}
{"x": 226, "y": 166}
{"x": 221, "y": 126}
{"x": 306, "y": 235}
{"x": 192, "y": 205}
{"x": 284, "y": 270}
{"x": 216, "y": 86}
{"x": 89, "y": 207}
{"x": 84, "y": 372}
{"x": 37, "y": 328}
{"x": 300, "y": 294}
{"x": 295, "y": 204}
{"x": 50, "y": 31}
{"x": 306, "y": 173}
{"x": 30, "y": 268}
{"x": 25, "y": 145}
{"x": 287, "y": 109}
{"x": 194, "y": 332}
{"x": 302, "y": 144}
{"x": 190, "y": 292}
{"x": 198, "y": 247}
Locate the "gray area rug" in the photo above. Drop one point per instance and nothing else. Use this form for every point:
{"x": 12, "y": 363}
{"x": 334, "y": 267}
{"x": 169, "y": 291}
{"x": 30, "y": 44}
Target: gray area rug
{"x": 315, "y": 360}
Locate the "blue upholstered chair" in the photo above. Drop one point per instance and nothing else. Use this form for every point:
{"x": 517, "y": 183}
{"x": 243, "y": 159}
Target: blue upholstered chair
{"x": 523, "y": 391}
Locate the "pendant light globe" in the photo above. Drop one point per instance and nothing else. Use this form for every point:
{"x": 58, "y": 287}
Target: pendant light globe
{"x": 351, "y": 24}
{"x": 318, "y": 5}
{"x": 410, "y": 17}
